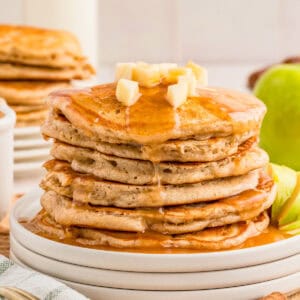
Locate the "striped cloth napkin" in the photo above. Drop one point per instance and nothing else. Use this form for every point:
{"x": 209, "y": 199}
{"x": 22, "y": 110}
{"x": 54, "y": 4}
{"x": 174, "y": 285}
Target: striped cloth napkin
{"x": 41, "y": 286}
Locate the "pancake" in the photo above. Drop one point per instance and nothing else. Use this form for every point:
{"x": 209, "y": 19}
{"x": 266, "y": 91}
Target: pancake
{"x": 152, "y": 120}
{"x": 86, "y": 188}
{"x": 29, "y": 123}
{"x": 41, "y": 47}
{"x": 249, "y": 157}
{"x": 171, "y": 220}
{"x": 218, "y": 238}
{"x": 28, "y": 92}
{"x": 31, "y": 118}
{"x": 24, "y": 72}
{"x": 27, "y": 108}
{"x": 212, "y": 149}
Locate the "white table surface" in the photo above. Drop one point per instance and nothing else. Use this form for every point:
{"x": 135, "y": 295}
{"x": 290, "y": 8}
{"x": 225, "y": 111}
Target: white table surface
{"x": 225, "y": 75}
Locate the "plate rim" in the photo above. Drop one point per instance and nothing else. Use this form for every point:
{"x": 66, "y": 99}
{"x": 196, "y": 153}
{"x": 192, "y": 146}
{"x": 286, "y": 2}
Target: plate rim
{"x": 155, "y": 281}
{"x": 235, "y": 293}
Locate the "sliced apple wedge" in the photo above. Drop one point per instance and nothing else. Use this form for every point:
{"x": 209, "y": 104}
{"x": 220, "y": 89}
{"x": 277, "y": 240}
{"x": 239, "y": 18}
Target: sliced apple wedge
{"x": 286, "y": 180}
{"x": 291, "y": 228}
{"x": 290, "y": 211}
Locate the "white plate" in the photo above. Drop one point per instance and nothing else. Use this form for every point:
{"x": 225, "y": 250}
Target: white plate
{"x": 156, "y": 281}
{"x": 25, "y": 168}
{"x": 246, "y": 292}
{"x": 23, "y": 131}
{"x": 140, "y": 262}
{"x": 31, "y": 143}
{"x": 29, "y": 154}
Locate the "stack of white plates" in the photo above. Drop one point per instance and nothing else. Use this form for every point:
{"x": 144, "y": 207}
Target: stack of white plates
{"x": 30, "y": 150}
{"x": 238, "y": 274}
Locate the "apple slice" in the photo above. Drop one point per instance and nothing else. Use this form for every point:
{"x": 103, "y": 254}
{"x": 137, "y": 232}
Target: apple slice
{"x": 291, "y": 228}
{"x": 286, "y": 180}
{"x": 291, "y": 209}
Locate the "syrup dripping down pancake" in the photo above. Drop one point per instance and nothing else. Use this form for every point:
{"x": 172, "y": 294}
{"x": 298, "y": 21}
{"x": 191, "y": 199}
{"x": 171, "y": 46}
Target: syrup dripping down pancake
{"x": 185, "y": 150}
{"x": 85, "y": 188}
{"x": 152, "y": 120}
{"x": 171, "y": 220}
{"x": 212, "y": 239}
{"x": 112, "y": 168}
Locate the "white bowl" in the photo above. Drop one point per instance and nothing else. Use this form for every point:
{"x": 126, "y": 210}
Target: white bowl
{"x": 246, "y": 292}
{"x": 156, "y": 281}
{"x": 29, "y": 205}
{"x": 7, "y": 123}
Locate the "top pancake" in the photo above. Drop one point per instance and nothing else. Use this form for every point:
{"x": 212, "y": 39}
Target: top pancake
{"x": 36, "y": 46}
{"x": 152, "y": 120}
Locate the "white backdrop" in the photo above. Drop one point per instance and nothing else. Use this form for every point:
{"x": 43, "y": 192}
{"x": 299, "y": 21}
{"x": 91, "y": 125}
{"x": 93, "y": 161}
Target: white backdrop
{"x": 159, "y": 30}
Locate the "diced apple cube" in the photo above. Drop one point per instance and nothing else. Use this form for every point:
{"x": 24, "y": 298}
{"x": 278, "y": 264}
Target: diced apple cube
{"x": 177, "y": 94}
{"x": 127, "y": 91}
{"x": 191, "y": 82}
{"x": 165, "y": 68}
{"x": 124, "y": 70}
{"x": 146, "y": 75}
{"x": 174, "y": 74}
{"x": 199, "y": 72}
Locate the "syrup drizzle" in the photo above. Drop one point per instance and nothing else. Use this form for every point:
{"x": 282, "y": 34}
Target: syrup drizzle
{"x": 127, "y": 118}
{"x": 177, "y": 122}
{"x": 153, "y": 120}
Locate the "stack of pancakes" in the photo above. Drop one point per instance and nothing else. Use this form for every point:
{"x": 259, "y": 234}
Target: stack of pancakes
{"x": 151, "y": 176}
{"x": 35, "y": 62}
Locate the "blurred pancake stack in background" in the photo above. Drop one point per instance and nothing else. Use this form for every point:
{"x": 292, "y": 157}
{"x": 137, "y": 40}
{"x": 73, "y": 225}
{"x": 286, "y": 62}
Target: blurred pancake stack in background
{"x": 33, "y": 63}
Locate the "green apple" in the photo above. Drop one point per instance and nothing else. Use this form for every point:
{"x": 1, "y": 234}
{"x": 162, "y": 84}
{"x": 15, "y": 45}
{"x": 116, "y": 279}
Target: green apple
{"x": 286, "y": 180}
{"x": 279, "y": 89}
{"x": 290, "y": 211}
{"x": 291, "y": 228}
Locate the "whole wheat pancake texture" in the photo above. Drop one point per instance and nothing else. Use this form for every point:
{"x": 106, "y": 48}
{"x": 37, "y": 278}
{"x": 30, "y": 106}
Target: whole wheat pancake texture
{"x": 29, "y": 93}
{"x": 149, "y": 176}
{"x": 152, "y": 120}
{"x": 37, "y": 46}
{"x": 108, "y": 167}
{"x": 213, "y": 239}
{"x": 35, "y": 62}
{"x": 12, "y": 71}
{"x": 171, "y": 220}
{"x": 84, "y": 188}
{"x": 184, "y": 150}
{"x": 27, "y": 99}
